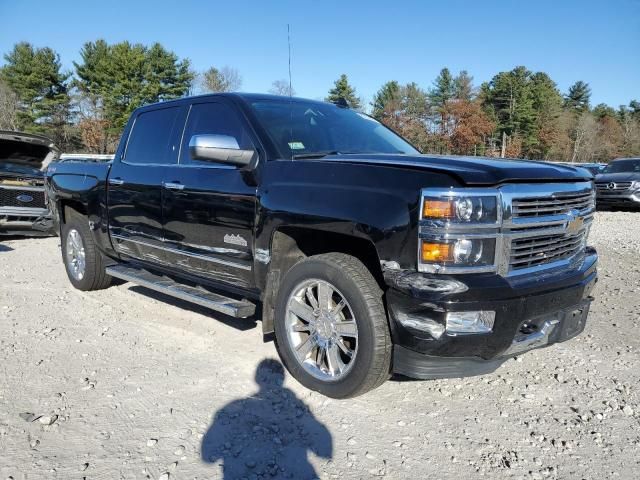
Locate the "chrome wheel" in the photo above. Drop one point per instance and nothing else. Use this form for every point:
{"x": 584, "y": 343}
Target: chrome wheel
{"x": 321, "y": 329}
{"x": 76, "y": 260}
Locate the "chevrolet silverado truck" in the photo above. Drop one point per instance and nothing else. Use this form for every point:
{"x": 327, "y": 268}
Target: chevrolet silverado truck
{"x": 366, "y": 257}
{"x": 619, "y": 184}
{"x": 23, "y": 206}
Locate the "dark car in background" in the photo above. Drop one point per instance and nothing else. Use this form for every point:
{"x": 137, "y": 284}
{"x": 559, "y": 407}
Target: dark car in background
{"x": 594, "y": 168}
{"x": 23, "y": 205}
{"x": 619, "y": 184}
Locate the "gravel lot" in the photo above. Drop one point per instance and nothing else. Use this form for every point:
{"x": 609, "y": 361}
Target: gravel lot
{"x": 124, "y": 383}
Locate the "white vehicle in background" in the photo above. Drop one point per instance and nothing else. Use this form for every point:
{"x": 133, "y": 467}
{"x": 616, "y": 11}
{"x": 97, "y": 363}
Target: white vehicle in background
{"x": 86, "y": 157}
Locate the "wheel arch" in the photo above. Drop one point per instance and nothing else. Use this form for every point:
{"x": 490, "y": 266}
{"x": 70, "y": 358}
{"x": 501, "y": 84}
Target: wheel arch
{"x": 290, "y": 244}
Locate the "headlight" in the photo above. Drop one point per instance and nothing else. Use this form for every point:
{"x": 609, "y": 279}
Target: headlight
{"x": 463, "y": 252}
{"x": 635, "y": 184}
{"x": 458, "y": 230}
{"x": 464, "y": 209}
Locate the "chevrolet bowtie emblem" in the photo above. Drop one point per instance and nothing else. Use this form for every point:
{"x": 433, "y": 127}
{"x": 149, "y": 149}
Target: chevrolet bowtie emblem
{"x": 575, "y": 224}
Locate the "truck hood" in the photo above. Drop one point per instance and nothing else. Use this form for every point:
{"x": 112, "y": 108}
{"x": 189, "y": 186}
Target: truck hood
{"x": 475, "y": 170}
{"x": 618, "y": 177}
{"x": 24, "y": 153}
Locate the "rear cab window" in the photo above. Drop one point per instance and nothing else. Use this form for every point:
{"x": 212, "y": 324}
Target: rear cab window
{"x": 153, "y": 138}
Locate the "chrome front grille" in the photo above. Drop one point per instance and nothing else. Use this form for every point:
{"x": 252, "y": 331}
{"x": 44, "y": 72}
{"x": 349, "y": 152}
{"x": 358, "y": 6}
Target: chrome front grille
{"x": 557, "y": 205}
{"x": 540, "y": 250}
{"x": 544, "y": 226}
{"x": 539, "y": 227}
{"x": 604, "y": 187}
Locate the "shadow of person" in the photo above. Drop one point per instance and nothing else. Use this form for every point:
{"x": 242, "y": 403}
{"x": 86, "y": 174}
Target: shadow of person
{"x": 268, "y": 434}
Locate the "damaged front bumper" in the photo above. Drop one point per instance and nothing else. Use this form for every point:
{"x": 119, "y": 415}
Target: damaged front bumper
{"x": 26, "y": 221}
{"x": 530, "y": 312}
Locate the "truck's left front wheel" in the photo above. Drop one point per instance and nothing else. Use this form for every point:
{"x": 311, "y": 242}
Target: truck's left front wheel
{"x": 331, "y": 326}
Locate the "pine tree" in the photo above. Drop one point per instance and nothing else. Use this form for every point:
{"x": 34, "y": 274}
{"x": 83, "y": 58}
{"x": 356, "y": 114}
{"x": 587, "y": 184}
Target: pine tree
{"x": 578, "y": 97}
{"x": 463, "y": 86}
{"x": 509, "y": 99}
{"x": 342, "y": 89}
{"x": 113, "y": 80}
{"x": 389, "y": 92}
{"x": 443, "y": 89}
{"x": 35, "y": 76}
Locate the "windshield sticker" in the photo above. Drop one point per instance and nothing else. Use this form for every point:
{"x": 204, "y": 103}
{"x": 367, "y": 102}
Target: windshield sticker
{"x": 296, "y": 145}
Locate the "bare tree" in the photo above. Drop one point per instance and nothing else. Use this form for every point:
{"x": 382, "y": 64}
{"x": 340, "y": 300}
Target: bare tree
{"x": 9, "y": 106}
{"x": 584, "y": 138}
{"x": 282, "y": 87}
{"x": 225, "y": 79}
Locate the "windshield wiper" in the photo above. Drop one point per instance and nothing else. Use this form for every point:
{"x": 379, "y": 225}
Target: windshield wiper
{"x": 315, "y": 154}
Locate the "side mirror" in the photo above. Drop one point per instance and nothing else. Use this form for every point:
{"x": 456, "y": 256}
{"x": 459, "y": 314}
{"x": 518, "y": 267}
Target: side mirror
{"x": 219, "y": 148}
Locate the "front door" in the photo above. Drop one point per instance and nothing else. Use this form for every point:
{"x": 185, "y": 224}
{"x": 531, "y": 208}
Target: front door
{"x": 134, "y": 190}
{"x": 209, "y": 208}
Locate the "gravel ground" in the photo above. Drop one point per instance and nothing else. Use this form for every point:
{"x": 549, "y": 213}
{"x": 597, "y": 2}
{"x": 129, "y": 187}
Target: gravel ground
{"x": 124, "y": 383}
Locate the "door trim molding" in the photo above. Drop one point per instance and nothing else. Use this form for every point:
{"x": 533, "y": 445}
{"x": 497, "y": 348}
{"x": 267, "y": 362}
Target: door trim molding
{"x": 180, "y": 252}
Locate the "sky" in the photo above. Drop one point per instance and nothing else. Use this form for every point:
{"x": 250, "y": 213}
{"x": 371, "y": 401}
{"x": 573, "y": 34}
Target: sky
{"x": 371, "y": 41}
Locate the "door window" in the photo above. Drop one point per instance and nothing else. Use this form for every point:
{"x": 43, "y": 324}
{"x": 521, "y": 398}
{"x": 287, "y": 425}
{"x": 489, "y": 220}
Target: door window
{"x": 212, "y": 118}
{"x": 152, "y": 140}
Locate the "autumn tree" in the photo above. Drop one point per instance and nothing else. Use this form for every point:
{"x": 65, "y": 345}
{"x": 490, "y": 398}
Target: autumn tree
{"x": 342, "y": 89}
{"x": 225, "y": 79}
{"x": 470, "y": 127}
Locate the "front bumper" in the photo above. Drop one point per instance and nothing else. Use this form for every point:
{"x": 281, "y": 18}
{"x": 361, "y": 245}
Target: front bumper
{"x": 26, "y": 221}
{"x": 531, "y": 312}
{"x": 624, "y": 199}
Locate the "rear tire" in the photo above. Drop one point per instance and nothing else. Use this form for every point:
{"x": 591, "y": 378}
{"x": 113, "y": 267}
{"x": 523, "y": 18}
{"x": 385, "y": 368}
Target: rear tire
{"x": 341, "y": 354}
{"x": 82, "y": 260}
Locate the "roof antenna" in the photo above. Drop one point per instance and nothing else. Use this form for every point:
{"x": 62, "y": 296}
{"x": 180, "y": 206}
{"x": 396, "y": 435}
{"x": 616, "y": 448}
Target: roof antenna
{"x": 289, "y": 42}
{"x": 290, "y": 93}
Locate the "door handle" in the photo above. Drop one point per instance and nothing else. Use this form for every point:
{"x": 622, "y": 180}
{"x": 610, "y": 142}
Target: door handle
{"x": 173, "y": 186}
{"x": 116, "y": 181}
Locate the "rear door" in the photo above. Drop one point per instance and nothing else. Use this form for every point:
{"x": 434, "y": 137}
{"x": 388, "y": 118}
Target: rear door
{"x": 209, "y": 208}
{"x": 134, "y": 190}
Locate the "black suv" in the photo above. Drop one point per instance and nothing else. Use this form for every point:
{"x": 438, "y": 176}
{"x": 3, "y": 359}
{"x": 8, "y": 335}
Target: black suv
{"x": 619, "y": 184}
{"x": 368, "y": 258}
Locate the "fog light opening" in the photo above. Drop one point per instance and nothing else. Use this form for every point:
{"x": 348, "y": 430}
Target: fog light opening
{"x": 470, "y": 322}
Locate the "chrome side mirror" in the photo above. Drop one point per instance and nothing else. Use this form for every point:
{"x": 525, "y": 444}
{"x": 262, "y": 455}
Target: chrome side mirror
{"x": 219, "y": 148}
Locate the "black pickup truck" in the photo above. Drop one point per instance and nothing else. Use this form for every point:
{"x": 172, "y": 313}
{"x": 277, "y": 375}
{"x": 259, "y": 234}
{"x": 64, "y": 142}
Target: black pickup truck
{"x": 367, "y": 257}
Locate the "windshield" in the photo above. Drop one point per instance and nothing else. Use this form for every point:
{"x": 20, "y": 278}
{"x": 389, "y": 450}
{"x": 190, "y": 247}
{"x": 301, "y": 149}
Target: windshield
{"x": 620, "y": 166}
{"x": 313, "y": 129}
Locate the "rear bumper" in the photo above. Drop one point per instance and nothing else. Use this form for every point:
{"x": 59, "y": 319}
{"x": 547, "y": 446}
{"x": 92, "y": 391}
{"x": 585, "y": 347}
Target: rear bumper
{"x": 530, "y": 313}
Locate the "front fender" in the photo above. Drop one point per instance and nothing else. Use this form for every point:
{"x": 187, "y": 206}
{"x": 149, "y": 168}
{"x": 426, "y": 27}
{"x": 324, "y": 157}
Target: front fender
{"x": 372, "y": 202}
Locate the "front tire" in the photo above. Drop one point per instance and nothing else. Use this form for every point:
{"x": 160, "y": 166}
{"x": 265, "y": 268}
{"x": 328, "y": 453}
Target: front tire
{"x": 331, "y": 326}
{"x": 82, "y": 260}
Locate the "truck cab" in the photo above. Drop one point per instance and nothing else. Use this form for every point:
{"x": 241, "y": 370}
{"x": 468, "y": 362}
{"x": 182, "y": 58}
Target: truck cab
{"x": 367, "y": 257}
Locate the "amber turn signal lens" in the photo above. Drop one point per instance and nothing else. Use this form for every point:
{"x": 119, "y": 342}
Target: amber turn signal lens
{"x": 438, "y": 209}
{"x": 436, "y": 252}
